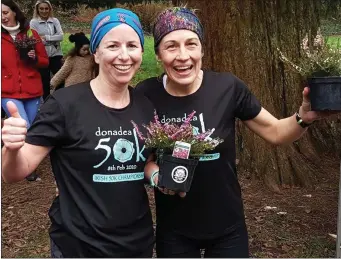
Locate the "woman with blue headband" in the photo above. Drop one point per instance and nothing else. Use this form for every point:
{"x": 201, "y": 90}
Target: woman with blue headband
{"x": 210, "y": 216}
{"x": 97, "y": 158}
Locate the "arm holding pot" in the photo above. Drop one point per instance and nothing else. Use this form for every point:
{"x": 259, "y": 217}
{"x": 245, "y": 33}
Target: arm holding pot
{"x": 151, "y": 174}
{"x": 287, "y": 130}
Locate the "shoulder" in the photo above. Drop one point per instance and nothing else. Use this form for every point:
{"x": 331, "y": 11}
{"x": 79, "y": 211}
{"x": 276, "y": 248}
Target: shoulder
{"x": 34, "y": 21}
{"x": 141, "y": 101}
{"x": 70, "y": 59}
{"x": 223, "y": 77}
{"x": 70, "y": 95}
{"x": 34, "y": 31}
{"x": 55, "y": 20}
{"x": 149, "y": 85}
{"x": 225, "y": 80}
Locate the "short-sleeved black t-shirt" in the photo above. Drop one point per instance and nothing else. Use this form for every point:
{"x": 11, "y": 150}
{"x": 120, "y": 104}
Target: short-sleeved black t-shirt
{"x": 214, "y": 204}
{"x": 98, "y": 161}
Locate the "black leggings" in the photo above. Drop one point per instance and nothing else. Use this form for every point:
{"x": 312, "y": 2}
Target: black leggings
{"x": 233, "y": 244}
{"x": 56, "y": 253}
{"x": 55, "y": 63}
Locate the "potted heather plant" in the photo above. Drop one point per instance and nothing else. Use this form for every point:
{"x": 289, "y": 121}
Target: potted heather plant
{"x": 176, "y": 161}
{"x": 320, "y": 67}
{"x": 24, "y": 44}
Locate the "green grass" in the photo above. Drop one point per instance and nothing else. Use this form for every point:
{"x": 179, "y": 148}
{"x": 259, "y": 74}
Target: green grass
{"x": 334, "y": 41}
{"x": 149, "y": 66}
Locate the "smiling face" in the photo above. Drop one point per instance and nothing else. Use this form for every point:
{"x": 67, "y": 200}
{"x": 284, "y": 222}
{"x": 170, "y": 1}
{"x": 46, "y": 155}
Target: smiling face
{"x": 181, "y": 55}
{"x": 119, "y": 55}
{"x": 8, "y": 16}
{"x": 43, "y": 11}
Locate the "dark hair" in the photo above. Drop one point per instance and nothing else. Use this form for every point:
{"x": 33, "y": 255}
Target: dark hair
{"x": 80, "y": 40}
{"x": 19, "y": 15}
{"x": 94, "y": 67}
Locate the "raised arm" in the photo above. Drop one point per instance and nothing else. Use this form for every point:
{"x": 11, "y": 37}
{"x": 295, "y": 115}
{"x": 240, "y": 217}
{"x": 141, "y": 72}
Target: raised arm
{"x": 287, "y": 130}
{"x": 19, "y": 159}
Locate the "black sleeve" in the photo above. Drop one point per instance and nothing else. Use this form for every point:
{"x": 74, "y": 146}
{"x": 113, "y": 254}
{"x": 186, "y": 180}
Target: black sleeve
{"x": 247, "y": 105}
{"x": 48, "y": 128}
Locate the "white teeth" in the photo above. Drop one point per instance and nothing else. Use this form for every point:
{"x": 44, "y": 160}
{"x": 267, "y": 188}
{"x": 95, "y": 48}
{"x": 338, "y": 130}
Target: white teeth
{"x": 123, "y": 67}
{"x": 188, "y": 67}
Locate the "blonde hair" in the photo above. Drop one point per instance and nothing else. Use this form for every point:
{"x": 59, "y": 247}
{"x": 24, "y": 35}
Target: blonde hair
{"x": 36, "y": 12}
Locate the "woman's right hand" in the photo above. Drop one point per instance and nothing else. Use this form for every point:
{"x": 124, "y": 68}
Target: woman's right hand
{"x": 165, "y": 190}
{"x": 14, "y": 130}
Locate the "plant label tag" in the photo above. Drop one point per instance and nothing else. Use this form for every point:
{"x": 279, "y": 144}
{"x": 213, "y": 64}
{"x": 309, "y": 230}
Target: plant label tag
{"x": 181, "y": 150}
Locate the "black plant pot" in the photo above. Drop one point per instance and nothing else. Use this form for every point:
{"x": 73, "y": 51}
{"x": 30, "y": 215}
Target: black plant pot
{"x": 325, "y": 93}
{"x": 176, "y": 173}
{"x": 23, "y": 53}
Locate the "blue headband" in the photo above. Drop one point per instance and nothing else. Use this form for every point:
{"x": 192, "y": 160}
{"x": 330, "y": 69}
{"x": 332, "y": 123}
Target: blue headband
{"x": 106, "y": 20}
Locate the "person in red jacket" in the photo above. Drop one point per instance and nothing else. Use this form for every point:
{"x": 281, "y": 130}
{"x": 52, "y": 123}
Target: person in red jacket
{"x": 22, "y": 53}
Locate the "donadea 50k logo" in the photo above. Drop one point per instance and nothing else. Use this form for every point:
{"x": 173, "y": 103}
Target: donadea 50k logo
{"x": 179, "y": 174}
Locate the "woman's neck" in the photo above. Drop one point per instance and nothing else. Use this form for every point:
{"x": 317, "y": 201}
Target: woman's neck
{"x": 117, "y": 97}
{"x": 183, "y": 90}
{"x": 44, "y": 18}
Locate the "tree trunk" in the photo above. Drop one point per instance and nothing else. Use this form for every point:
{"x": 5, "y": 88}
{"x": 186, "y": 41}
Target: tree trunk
{"x": 242, "y": 36}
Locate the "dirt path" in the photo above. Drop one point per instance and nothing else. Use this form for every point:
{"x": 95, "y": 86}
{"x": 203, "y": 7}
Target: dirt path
{"x": 302, "y": 231}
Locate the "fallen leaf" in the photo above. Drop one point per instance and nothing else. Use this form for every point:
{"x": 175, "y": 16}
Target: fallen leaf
{"x": 20, "y": 244}
{"x": 282, "y": 213}
{"x": 307, "y": 210}
{"x": 270, "y": 208}
{"x": 333, "y": 236}
{"x": 259, "y": 218}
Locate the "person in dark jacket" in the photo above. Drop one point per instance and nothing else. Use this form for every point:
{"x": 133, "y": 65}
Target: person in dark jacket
{"x": 22, "y": 53}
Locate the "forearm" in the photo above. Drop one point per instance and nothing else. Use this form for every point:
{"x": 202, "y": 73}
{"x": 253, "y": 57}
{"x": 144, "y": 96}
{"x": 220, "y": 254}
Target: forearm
{"x": 288, "y": 130}
{"x": 15, "y": 166}
{"x": 54, "y": 38}
{"x": 149, "y": 169}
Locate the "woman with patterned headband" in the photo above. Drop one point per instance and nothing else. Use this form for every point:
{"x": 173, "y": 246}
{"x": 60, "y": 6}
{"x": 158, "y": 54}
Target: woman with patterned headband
{"x": 211, "y": 215}
{"x": 97, "y": 159}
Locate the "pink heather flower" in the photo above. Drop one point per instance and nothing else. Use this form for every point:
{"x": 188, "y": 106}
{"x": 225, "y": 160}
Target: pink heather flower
{"x": 204, "y": 135}
{"x": 139, "y": 133}
{"x": 156, "y": 118}
{"x": 189, "y": 118}
{"x": 174, "y": 136}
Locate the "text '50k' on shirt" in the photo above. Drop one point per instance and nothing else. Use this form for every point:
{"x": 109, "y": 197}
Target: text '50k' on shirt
{"x": 214, "y": 203}
{"x": 98, "y": 161}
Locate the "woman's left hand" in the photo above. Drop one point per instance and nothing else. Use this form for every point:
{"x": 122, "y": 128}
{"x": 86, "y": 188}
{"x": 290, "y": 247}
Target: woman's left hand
{"x": 309, "y": 116}
{"x": 32, "y": 54}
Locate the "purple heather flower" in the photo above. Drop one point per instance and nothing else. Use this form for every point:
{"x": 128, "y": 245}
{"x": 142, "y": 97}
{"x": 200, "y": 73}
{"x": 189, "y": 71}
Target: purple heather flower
{"x": 189, "y": 118}
{"x": 139, "y": 133}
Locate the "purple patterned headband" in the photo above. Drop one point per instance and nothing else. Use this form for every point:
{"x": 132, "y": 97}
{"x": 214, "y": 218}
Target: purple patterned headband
{"x": 173, "y": 19}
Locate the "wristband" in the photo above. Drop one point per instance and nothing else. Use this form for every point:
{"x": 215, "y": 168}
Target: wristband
{"x": 301, "y": 122}
{"x": 152, "y": 183}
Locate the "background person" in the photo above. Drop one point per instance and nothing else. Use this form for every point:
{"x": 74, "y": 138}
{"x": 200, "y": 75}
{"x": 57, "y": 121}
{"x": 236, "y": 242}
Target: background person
{"x": 51, "y": 32}
{"x": 20, "y": 78}
{"x": 78, "y": 64}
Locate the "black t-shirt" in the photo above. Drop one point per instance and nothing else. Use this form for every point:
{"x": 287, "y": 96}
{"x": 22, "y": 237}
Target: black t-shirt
{"x": 214, "y": 204}
{"x": 98, "y": 161}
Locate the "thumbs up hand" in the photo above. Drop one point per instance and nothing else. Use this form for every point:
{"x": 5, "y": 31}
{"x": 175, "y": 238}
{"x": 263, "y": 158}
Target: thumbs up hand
{"x": 14, "y": 129}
